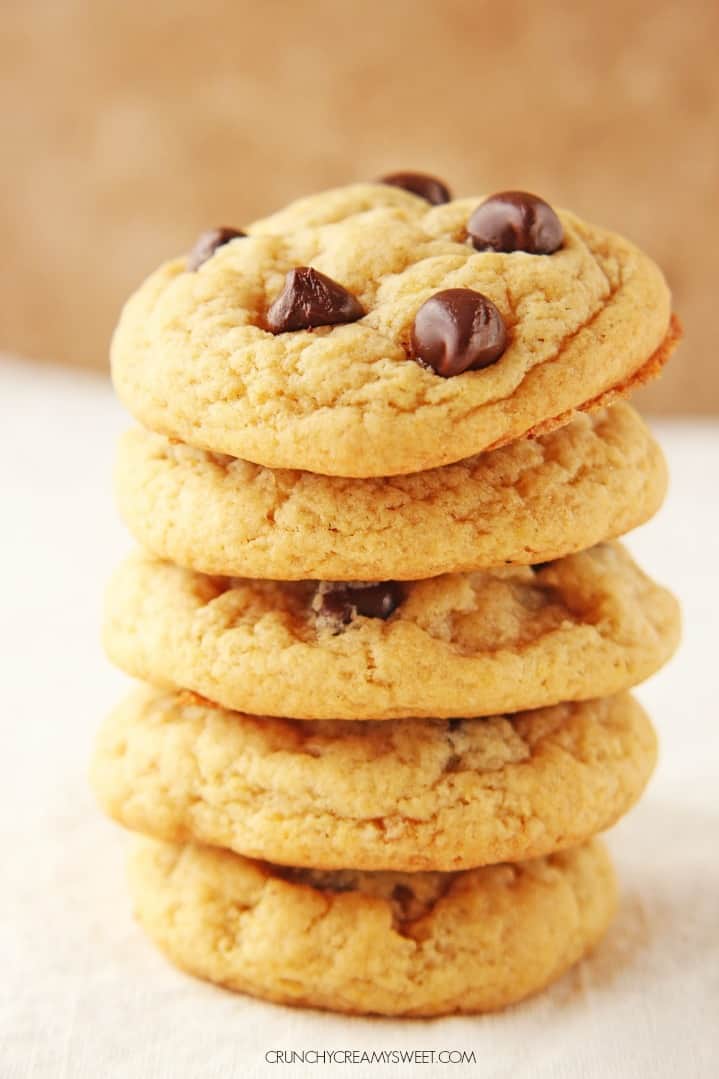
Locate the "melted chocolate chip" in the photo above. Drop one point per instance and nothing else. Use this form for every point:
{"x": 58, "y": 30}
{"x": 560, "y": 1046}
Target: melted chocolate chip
{"x": 419, "y": 183}
{"x": 310, "y": 298}
{"x": 339, "y": 603}
{"x": 208, "y": 243}
{"x": 402, "y": 894}
{"x": 515, "y": 221}
{"x": 333, "y": 607}
{"x": 457, "y": 330}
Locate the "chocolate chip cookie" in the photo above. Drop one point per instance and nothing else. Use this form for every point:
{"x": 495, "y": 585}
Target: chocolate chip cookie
{"x": 593, "y": 479}
{"x": 402, "y": 794}
{"x": 473, "y": 644}
{"x": 364, "y": 332}
{"x": 386, "y": 943}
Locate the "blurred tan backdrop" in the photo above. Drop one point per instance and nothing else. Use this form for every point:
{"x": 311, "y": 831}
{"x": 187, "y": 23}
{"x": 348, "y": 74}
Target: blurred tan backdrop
{"x": 128, "y": 127}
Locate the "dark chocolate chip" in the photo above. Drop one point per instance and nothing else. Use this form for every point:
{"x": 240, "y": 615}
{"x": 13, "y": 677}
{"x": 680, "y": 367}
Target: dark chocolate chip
{"x": 457, "y": 330}
{"x": 402, "y": 894}
{"x": 515, "y": 221}
{"x": 338, "y": 603}
{"x": 377, "y": 601}
{"x": 310, "y": 298}
{"x": 419, "y": 183}
{"x": 208, "y": 243}
{"x": 333, "y": 607}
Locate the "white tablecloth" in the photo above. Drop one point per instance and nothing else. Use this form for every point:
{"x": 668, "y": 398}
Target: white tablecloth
{"x": 84, "y": 994}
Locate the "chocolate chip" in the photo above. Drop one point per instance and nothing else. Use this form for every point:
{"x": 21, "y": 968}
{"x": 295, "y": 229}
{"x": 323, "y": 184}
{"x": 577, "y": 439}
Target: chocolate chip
{"x": 515, "y": 221}
{"x": 402, "y": 894}
{"x": 457, "y": 330}
{"x": 377, "y": 601}
{"x": 310, "y": 298}
{"x": 337, "y": 603}
{"x": 208, "y": 243}
{"x": 419, "y": 183}
{"x": 333, "y": 607}
{"x": 538, "y": 566}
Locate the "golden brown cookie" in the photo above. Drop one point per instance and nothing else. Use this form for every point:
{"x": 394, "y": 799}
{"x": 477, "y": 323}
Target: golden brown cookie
{"x": 389, "y": 943}
{"x": 593, "y": 479}
{"x": 493, "y": 641}
{"x": 212, "y": 355}
{"x": 404, "y": 794}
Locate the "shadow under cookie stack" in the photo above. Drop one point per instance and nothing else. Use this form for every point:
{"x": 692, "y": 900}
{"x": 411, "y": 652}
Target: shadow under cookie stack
{"x": 385, "y": 628}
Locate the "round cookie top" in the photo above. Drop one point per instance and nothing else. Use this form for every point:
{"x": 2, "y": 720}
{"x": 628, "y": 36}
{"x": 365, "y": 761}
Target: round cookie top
{"x": 388, "y": 943}
{"x": 474, "y": 644}
{"x": 361, "y": 332}
{"x": 593, "y": 479}
{"x": 404, "y": 794}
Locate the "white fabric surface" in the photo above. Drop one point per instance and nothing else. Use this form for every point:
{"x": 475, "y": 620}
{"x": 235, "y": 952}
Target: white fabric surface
{"x": 85, "y": 996}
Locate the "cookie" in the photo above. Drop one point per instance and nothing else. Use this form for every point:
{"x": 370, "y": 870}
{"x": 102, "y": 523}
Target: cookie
{"x": 360, "y": 332}
{"x": 404, "y": 794}
{"x": 389, "y": 943}
{"x": 500, "y": 640}
{"x": 593, "y": 479}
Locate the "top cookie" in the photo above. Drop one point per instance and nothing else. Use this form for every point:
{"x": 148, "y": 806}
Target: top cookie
{"x": 218, "y": 355}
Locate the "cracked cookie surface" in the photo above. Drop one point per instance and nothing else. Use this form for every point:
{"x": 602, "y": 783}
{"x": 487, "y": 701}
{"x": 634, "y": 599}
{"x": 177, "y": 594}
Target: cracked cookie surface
{"x": 385, "y": 943}
{"x": 192, "y": 358}
{"x": 591, "y": 480}
{"x": 405, "y": 794}
{"x": 474, "y": 644}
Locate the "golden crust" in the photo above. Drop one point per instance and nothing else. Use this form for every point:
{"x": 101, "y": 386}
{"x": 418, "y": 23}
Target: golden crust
{"x": 651, "y": 369}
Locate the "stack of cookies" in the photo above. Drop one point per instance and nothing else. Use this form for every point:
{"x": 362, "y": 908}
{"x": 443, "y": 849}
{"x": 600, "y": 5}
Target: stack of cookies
{"x": 385, "y": 628}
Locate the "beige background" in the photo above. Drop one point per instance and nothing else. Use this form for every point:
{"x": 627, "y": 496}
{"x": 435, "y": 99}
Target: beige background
{"x": 128, "y": 127}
